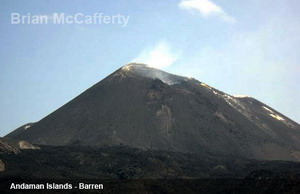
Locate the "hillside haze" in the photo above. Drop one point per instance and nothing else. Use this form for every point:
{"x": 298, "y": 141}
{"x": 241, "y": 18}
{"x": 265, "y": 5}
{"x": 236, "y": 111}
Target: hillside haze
{"x": 143, "y": 107}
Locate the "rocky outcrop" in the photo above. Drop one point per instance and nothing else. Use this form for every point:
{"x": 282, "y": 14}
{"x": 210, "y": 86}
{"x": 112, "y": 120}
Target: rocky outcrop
{"x": 6, "y": 148}
{"x": 15, "y": 146}
{"x": 24, "y": 145}
{"x": 2, "y": 166}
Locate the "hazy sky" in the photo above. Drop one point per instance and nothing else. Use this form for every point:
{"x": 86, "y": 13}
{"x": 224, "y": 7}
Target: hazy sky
{"x": 249, "y": 47}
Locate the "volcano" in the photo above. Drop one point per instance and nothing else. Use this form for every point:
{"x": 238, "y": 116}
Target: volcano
{"x": 146, "y": 108}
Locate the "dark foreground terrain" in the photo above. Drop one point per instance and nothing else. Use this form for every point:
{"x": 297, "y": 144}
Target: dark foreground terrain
{"x": 129, "y": 170}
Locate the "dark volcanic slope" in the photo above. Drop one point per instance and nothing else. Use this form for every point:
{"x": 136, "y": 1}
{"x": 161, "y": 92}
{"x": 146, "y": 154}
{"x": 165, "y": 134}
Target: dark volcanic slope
{"x": 146, "y": 108}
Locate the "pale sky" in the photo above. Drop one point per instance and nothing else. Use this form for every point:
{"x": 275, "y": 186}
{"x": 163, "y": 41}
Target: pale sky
{"x": 246, "y": 47}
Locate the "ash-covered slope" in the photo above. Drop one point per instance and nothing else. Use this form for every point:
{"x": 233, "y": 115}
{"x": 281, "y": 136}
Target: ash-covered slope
{"x": 146, "y": 108}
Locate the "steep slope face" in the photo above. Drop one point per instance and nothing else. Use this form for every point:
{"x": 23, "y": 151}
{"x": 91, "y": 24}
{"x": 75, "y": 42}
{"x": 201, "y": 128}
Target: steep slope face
{"x": 147, "y": 108}
{"x": 19, "y": 130}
